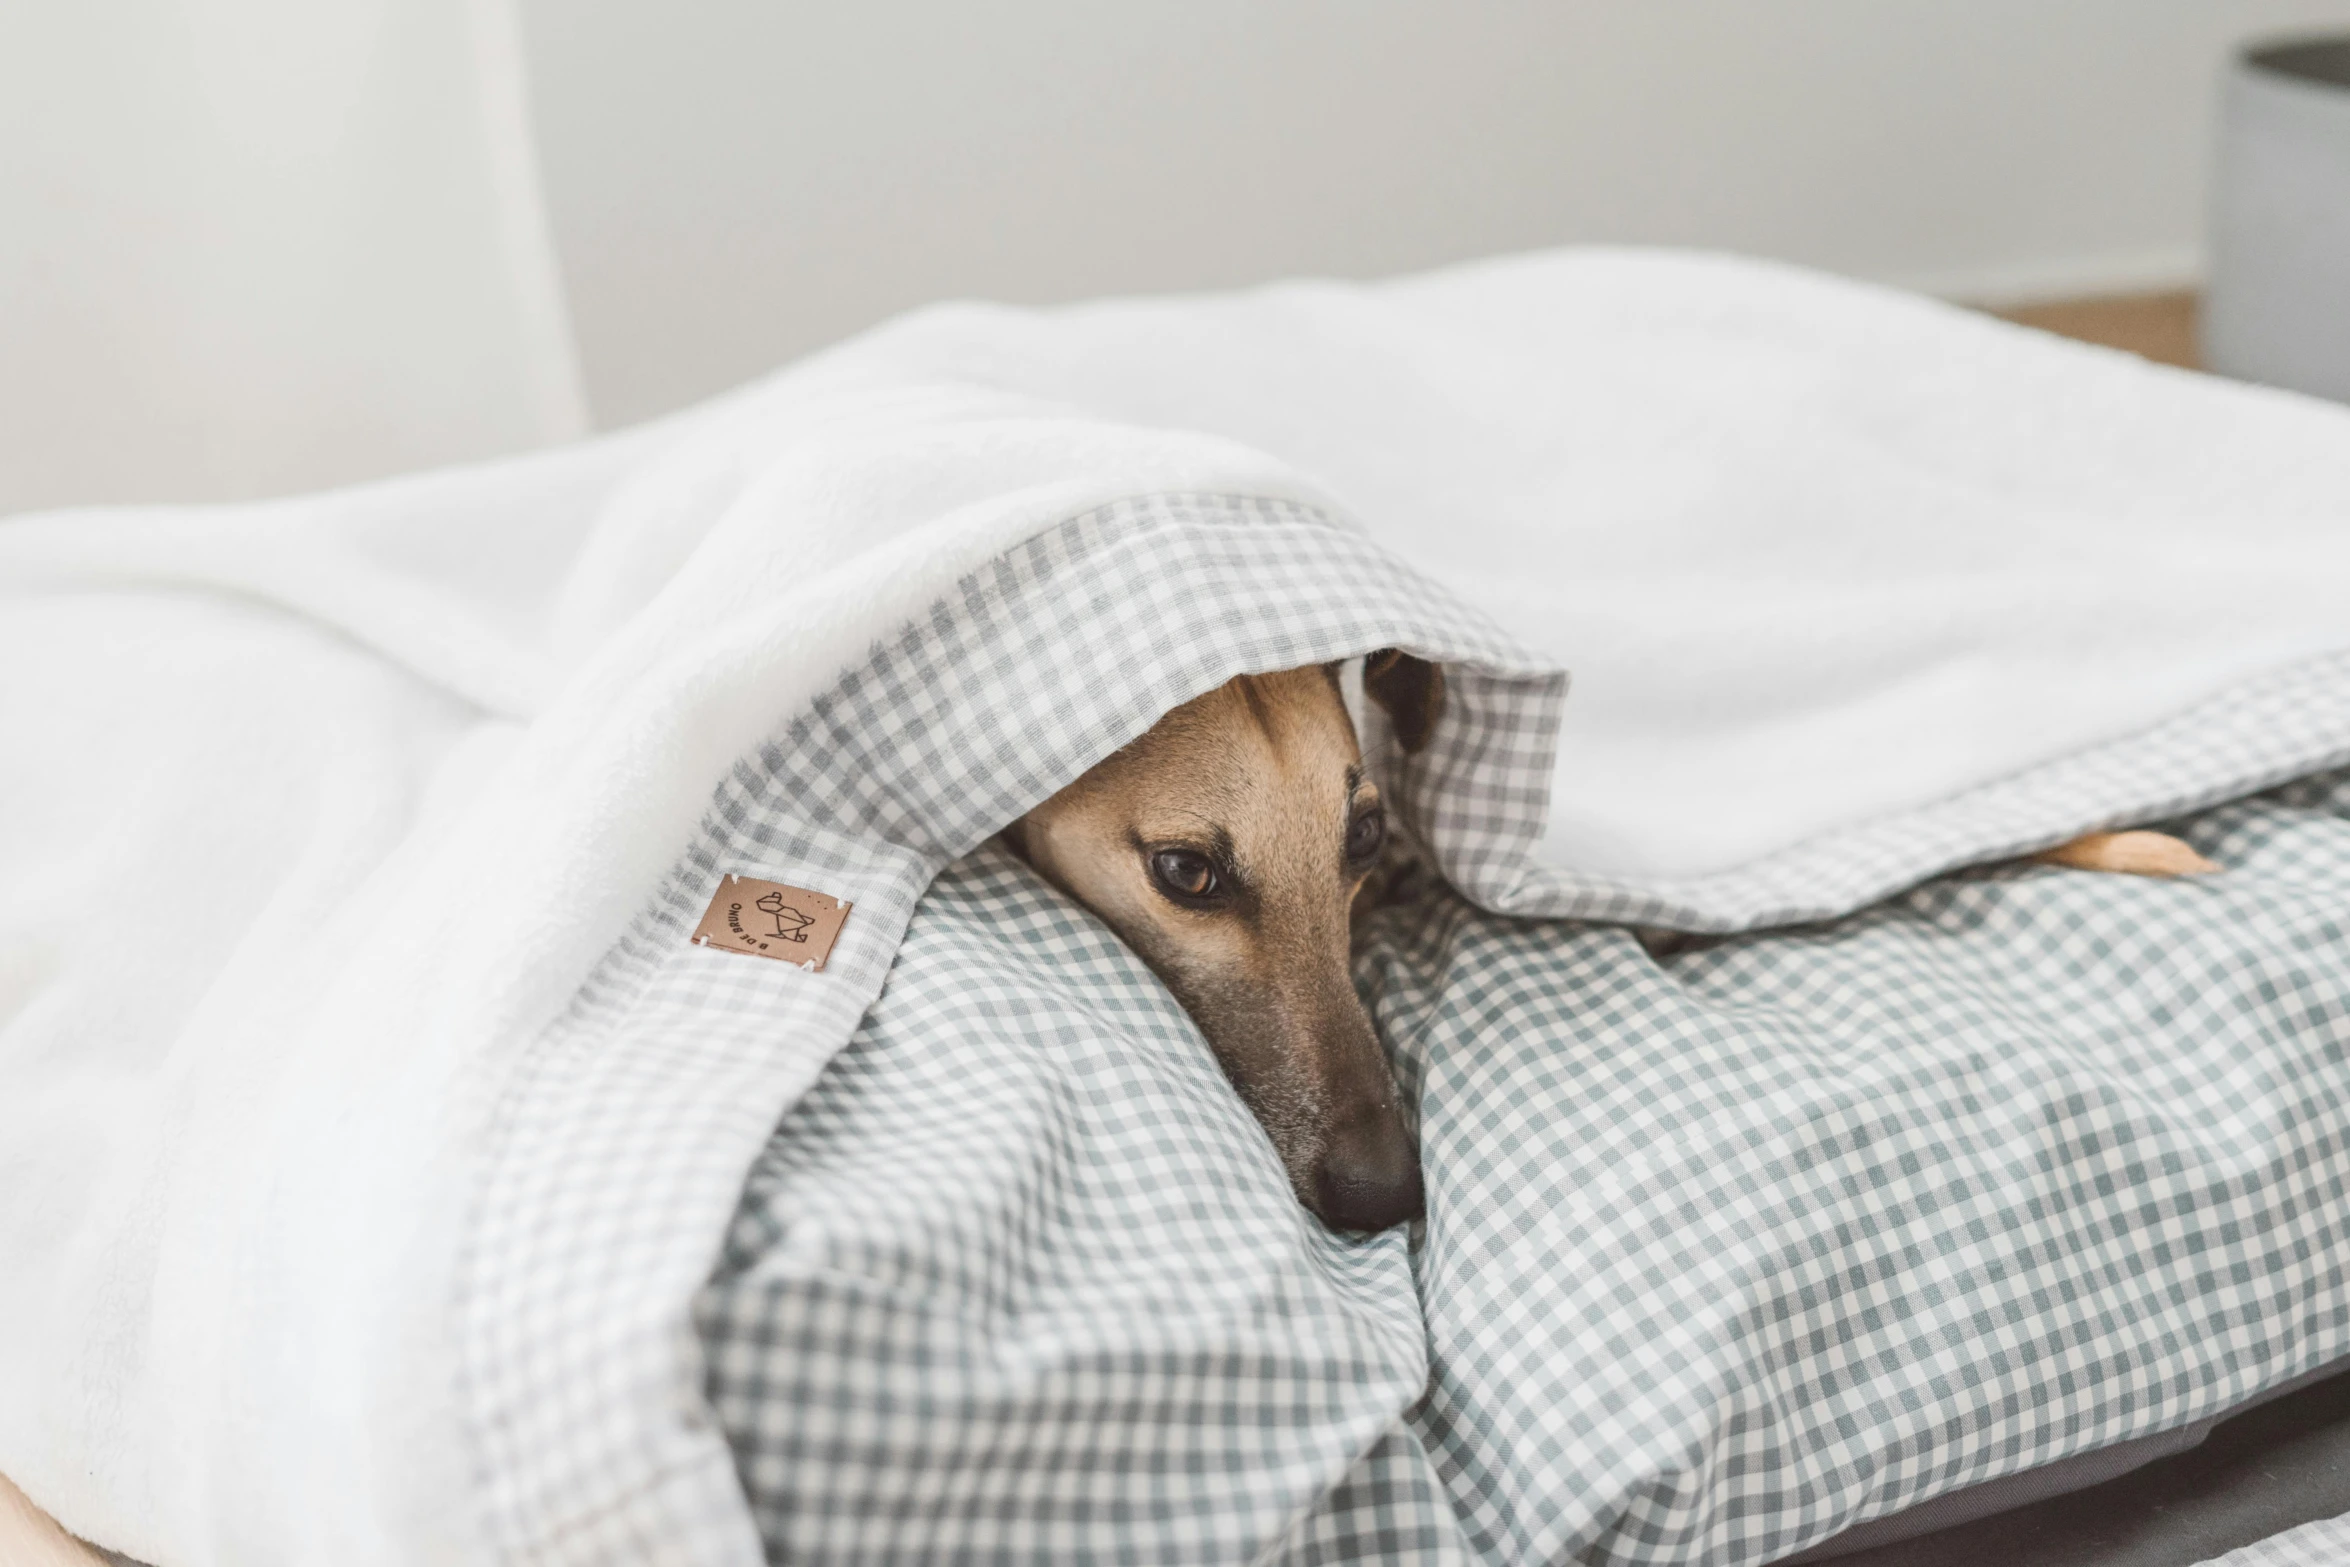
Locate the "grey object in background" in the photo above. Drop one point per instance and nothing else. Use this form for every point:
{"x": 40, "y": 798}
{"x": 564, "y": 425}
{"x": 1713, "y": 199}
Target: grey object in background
{"x": 2278, "y": 309}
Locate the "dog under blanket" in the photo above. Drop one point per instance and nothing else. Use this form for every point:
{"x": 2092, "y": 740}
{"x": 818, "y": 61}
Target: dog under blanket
{"x": 374, "y": 1123}
{"x": 1726, "y": 1251}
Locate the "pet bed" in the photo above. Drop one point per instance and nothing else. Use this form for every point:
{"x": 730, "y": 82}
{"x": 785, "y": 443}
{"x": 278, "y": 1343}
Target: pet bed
{"x": 393, "y": 1177}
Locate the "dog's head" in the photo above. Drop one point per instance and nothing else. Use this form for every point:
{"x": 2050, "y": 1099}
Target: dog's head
{"x": 1227, "y": 846}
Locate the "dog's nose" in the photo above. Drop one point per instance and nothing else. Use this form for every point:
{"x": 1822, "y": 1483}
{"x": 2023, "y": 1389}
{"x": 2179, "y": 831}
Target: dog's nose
{"x": 1369, "y": 1177}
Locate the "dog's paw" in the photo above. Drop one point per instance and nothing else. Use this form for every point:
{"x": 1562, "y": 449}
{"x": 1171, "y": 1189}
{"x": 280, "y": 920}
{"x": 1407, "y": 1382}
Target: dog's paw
{"x": 2129, "y": 854}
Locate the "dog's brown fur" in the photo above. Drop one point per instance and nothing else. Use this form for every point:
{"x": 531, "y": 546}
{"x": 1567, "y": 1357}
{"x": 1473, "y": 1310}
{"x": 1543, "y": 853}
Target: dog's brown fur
{"x": 1227, "y": 846}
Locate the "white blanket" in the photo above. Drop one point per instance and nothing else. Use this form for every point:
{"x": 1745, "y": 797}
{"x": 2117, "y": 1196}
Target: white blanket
{"x": 314, "y": 812}
{"x": 1821, "y": 557}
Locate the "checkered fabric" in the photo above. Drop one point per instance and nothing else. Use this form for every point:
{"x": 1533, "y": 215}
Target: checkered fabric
{"x": 1736, "y": 1248}
{"x": 1021, "y": 1281}
{"x": 1729, "y": 1249}
{"x": 620, "y": 1146}
{"x": 2325, "y": 1543}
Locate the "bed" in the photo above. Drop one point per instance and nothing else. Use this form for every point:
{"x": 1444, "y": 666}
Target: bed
{"x": 1797, "y": 1159}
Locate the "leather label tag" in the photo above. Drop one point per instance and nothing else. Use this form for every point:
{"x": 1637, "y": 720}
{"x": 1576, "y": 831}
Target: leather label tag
{"x": 767, "y": 919}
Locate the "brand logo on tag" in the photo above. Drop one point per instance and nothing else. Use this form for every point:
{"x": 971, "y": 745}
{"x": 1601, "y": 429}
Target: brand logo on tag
{"x": 767, "y": 919}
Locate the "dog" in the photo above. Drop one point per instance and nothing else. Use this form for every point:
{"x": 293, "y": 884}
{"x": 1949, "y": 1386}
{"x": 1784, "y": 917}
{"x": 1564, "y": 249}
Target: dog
{"x": 1228, "y": 846}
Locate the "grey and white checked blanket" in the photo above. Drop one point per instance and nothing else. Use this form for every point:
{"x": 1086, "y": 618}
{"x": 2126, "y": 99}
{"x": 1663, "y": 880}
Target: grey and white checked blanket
{"x": 1728, "y": 1249}
{"x": 387, "y": 1176}
{"x": 2324, "y": 1543}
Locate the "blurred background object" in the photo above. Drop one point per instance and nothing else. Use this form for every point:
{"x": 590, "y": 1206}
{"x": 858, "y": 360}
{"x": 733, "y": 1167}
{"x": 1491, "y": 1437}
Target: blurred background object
{"x": 2279, "y": 306}
{"x": 248, "y": 246}
{"x": 257, "y": 246}
{"x": 2159, "y": 325}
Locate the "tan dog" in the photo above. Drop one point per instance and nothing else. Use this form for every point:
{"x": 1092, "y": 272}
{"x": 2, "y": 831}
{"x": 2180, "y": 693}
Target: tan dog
{"x": 1227, "y": 846}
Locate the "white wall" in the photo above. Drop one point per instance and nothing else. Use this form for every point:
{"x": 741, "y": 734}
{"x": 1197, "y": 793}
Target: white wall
{"x": 736, "y": 181}
{"x": 254, "y": 246}
{"x": 249, "y": 246}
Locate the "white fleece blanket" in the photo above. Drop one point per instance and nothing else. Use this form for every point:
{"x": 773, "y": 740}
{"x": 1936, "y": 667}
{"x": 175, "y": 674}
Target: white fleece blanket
{"x": 314, "y": 812}
{"x": 1821, "y": 557}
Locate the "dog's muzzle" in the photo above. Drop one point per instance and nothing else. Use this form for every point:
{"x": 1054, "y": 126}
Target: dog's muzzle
{"x": 1368, "y": 1177}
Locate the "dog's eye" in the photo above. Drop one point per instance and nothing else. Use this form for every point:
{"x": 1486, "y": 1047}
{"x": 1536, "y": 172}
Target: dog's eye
{"x": 1365, "y": 834}
{"x": 1185, "y": 875}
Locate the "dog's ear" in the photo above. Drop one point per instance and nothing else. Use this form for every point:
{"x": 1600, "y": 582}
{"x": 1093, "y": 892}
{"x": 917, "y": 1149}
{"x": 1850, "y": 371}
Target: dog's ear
{"x": 1410, "y": 689}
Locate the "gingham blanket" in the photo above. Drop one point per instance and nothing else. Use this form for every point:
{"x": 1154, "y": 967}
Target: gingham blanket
{"x": 2323, "y": 1543}
{"x": 370, "y": 1119}
{"x": 2023, "y": 1165}
{"x": 1729, "y": 1249}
